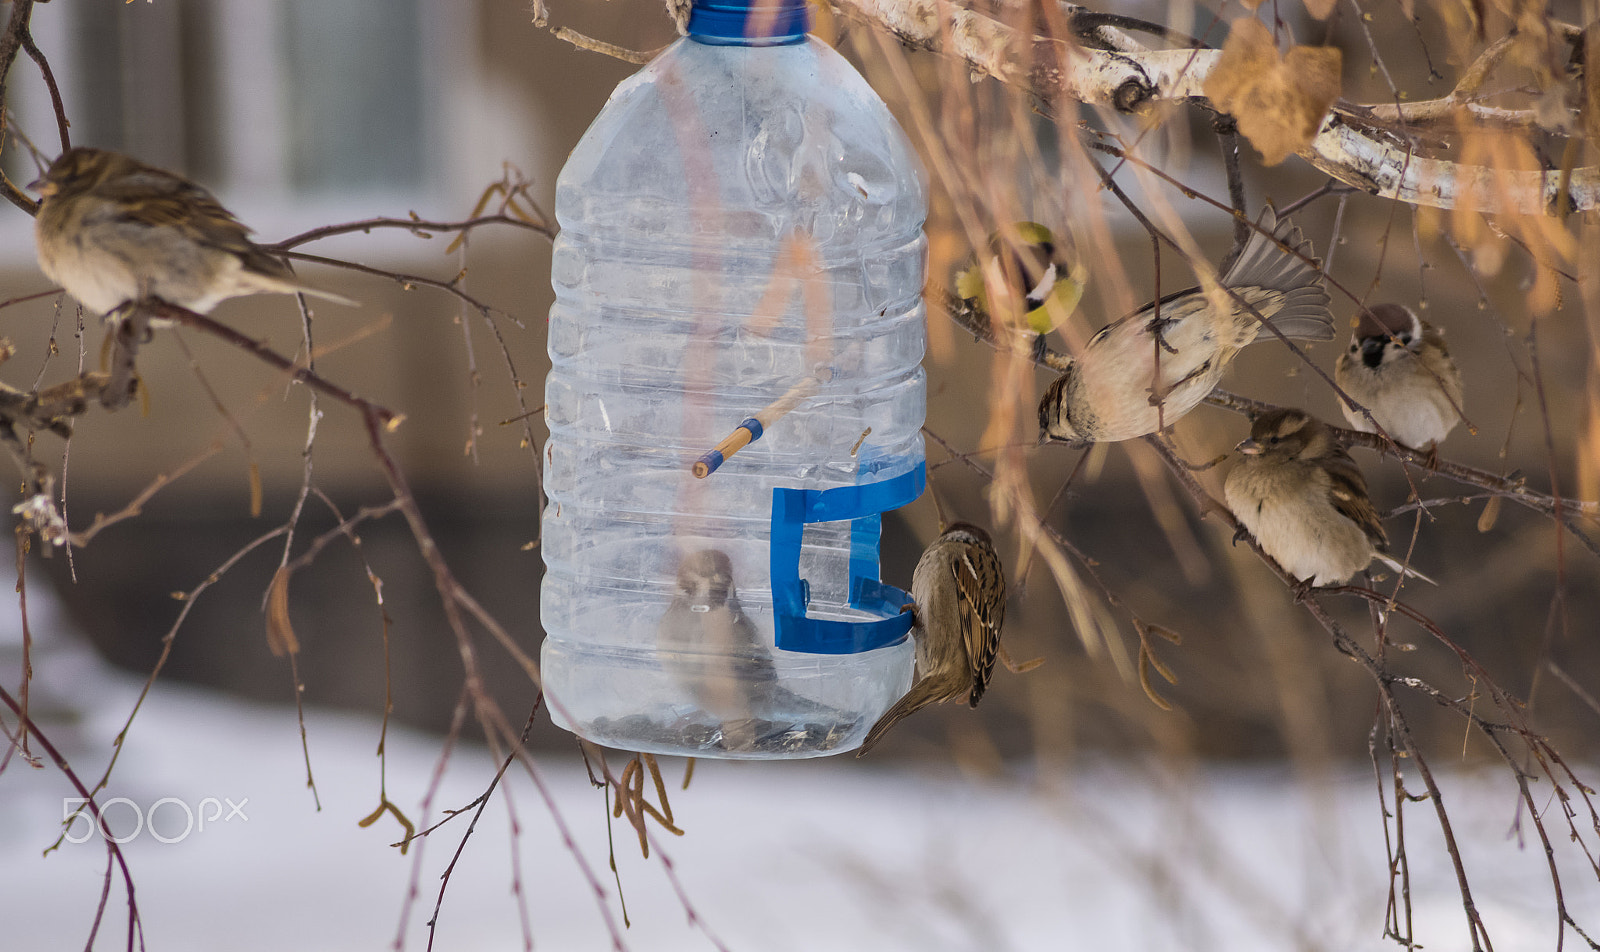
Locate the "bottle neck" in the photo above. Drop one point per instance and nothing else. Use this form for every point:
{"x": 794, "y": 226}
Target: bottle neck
{"x": 749, "y": 22}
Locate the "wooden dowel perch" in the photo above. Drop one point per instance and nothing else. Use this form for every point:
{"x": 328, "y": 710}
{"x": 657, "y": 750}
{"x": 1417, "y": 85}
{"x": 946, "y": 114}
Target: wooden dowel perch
{"x": 751, "y": 429}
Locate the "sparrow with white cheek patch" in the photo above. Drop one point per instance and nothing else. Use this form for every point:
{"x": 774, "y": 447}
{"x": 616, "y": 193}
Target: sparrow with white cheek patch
{"x": 1302, "y": 497}
{"x": 111, "y": 230}
{"x": 1398, "y": 367}
{"x": 1112, "y": 390}
{"x": 959, "y": 588}
{"x": 714, "y": 653}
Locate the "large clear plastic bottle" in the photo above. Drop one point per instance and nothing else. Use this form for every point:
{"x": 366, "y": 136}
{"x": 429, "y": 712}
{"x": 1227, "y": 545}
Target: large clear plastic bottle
{"x": 741, "y": 228}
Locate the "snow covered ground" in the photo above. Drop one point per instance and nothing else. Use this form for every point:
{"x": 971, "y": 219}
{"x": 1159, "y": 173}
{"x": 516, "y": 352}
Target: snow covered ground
{"x": 834, "y": 854}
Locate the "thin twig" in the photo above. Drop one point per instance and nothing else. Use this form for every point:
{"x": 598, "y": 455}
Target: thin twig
{"x": 481, "y": 802}
{"x": 14, "y": 39}
{"x": 114, "y": 856}
{"x": 50, "y": 83}
{"x": 422, "y": 228}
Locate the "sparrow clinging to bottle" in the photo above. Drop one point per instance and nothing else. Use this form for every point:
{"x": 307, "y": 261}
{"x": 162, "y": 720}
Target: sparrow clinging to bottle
{"x": 1302, "y": 497}
{"x": 1038, "y": 271}
{"x": 112, "y": 230}
{"x": 1398, "y": 368}
{"x": 959, "y": 589}
{"x": 1112, "y": 390}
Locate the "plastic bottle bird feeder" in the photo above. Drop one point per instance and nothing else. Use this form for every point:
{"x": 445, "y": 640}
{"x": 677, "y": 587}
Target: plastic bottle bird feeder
{"x": 735, "y": 397}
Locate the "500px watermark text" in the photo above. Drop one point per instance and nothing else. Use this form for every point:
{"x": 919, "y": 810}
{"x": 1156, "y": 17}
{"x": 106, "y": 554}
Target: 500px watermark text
{"x": 167, "y": 809}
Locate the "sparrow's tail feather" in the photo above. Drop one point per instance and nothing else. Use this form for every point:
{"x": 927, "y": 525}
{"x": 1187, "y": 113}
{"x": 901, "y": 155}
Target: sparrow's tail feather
{"x": 923, "y": 693}
{"x": 1405, "y": 570}
{"x": 1304, "y": 314}
{"x": 261, "y": 272}
{"x": 293, "y": 287}
{"x": 327, "y": 295}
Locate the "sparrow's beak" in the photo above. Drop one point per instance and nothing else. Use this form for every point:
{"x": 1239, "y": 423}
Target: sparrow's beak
{"x": 41, "y": 185}
{"x": 1249, "y": 447}
{"x": 1045, "y": 439}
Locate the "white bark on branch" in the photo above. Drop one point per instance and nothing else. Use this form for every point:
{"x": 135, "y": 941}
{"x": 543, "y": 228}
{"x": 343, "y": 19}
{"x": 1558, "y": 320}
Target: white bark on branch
{"x": 1450, "y": 108}
{"x": 1356, "y": 159}
{"x": 1352, "y": 145}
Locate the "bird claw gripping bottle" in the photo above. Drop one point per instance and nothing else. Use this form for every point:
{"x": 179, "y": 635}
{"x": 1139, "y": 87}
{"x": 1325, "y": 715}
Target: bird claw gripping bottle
{"x": 739, "y": 270}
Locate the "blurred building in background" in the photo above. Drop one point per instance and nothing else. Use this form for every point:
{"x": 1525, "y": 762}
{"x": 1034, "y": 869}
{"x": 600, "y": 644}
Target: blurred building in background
{"x": 305, "y": 113}
{"x": 302, "y": 114}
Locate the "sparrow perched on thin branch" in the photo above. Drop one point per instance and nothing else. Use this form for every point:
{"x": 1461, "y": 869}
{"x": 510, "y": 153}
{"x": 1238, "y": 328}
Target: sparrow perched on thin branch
{"x": 1143, "y": 372}
{"x": 1038, "y": 273}
{"x": 1302, "y": 497}
{"x": 712, "y": 650}
{"x": 1398, "y": 367}
{"x": 959, "y": 589}
{"x": 112, "y": 230}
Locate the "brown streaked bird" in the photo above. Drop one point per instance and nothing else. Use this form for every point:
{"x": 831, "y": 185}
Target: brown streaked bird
{"x": 111, "y": 230}
{"x": 1399, "y": 368}
{"x": 1305, "y": 501}
{"x": 959, "y": 588}
{"x": 1111, "y": 391}
{"x": 714, "y": 653}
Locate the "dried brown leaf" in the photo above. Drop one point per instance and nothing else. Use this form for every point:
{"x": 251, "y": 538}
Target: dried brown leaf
{"x": 1016, "y": 667}
{"x": 483, "y": 202}
{"x": 280, "y": 633}
{"x": 386, "y": 807}
{"x": 1589, "y": 450}
{"x": 1591, "y": 83}
{"x": 661, "y": 786}
{"x": 1163, "y": 632}
{"x": 1146, "y": 661}
{"x": 635, "y": 795}
{"x": 622, "y": 787}
{"x": 1491, "y": 512}
{"x": 255, "y": 490}
{"x": 1278, "y": 101}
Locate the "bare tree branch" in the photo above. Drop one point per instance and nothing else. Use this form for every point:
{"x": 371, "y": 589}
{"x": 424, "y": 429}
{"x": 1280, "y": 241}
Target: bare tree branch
{"x": 1354, "y": 144}
{"x": 15, "y": 38}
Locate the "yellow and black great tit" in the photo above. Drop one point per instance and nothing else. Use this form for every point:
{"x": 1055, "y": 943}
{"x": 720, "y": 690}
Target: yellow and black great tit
{"x": 1038, "y": 274}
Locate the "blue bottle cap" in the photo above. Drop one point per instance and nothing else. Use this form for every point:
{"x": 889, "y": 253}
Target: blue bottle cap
{"x": 749, "y": 22}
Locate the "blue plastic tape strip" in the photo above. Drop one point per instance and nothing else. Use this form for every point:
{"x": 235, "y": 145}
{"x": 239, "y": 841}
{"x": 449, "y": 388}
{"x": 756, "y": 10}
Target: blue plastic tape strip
{"x": 713, "y": 461}
{"x": 749, "y": 22}
{"x": 863, "y": 505}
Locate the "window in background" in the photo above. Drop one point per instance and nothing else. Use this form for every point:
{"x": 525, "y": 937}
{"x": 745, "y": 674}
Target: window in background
{"x": 306, "y": 97}
{"x": 352, "y": 88}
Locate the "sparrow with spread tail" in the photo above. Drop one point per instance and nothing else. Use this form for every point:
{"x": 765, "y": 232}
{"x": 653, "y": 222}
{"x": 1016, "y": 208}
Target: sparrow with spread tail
{"x": 1038, "y": 271}
{"x": 1398, "y": 367}
{"x": 713, "y": 652}
{"x": 959, "y": 590}
{"x": 112, "y": 230}
{"x": 1302, "y": 497}
{"x": 1143, "y": 371}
